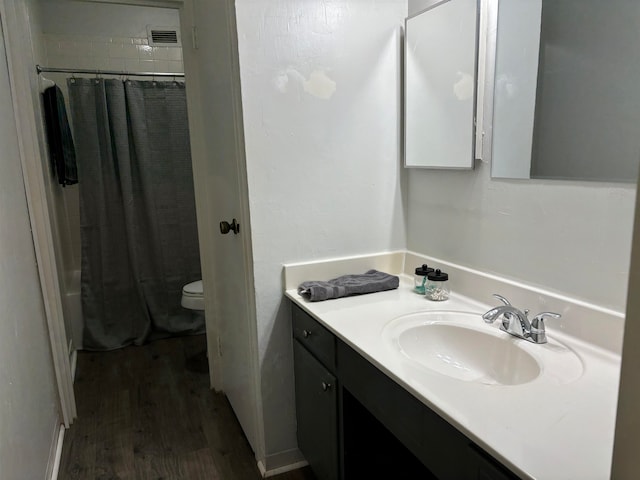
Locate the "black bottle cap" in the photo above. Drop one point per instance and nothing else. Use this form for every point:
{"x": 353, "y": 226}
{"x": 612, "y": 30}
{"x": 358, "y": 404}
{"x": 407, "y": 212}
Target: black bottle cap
{"x": 424, "y": 270}
{"x": 438, "y": 276}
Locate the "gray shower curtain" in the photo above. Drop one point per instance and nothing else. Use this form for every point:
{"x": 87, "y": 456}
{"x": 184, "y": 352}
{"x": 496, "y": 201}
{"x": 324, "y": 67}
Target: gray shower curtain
{"x": 137, "y": 210}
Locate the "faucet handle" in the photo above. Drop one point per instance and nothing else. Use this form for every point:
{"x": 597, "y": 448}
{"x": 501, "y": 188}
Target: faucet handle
{"x": 539, "y": 319}
{"x": 538, "y": 332}
{"x": 502, "y": 299}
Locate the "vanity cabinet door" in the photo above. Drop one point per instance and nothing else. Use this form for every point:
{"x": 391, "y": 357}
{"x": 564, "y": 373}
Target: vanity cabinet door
{"x": 317, "y": 413}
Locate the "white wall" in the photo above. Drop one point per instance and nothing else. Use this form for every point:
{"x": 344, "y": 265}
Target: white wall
{"x": 102, "y": 19}
{"x": 320, "y": 90}
{"x": 571, "y": 237}
{"x": 107, "y": 36}
{"x": 29, "y": 414}
{"x": 627, "y": 438}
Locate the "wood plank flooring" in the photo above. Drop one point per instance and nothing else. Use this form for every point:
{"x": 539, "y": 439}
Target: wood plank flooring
{"x": 143, "y": 415}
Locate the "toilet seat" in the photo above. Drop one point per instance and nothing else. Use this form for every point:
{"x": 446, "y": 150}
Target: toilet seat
{"x": 193, "y": 288}
{"x": 193, "y": 296}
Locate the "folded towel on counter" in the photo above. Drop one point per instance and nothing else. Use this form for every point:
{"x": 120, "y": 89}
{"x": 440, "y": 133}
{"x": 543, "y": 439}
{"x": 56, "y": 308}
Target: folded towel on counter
{"x": 347, "y": 285}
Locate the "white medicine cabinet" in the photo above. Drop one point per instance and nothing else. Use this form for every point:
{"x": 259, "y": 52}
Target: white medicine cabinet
{"x": 441, "y": 87}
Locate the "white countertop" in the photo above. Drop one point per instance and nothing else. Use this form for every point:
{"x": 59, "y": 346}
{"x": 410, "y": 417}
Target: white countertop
{"x": 542, "y": 429}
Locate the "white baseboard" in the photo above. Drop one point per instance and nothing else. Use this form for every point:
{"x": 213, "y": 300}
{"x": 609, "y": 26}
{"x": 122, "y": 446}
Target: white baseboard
{"x": 281, "y": 462}
{"x": 54, "y": 462}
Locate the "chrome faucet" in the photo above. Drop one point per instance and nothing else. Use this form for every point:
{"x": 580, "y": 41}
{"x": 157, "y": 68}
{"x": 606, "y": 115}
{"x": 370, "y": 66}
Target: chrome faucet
{"x": 516, "y": 322}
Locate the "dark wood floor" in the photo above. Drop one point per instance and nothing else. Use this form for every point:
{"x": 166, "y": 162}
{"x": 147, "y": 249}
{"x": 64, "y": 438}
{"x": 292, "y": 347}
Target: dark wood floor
{"x": 142, "y": 414}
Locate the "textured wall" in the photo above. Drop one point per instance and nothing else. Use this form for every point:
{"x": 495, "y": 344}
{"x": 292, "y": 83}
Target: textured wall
{"x": 29, "y": 414}
{"x": 625, "y": 449}
{"x": 320, "y": 86}
{"x": 570, "y": 237}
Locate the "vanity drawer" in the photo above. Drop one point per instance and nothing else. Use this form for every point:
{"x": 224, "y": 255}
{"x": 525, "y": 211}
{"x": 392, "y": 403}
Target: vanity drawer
{"x": 314, "y": 337}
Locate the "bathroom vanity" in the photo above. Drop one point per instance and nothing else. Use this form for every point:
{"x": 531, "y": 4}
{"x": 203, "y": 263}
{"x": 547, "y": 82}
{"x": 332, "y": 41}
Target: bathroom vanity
{"x": 369, "y": 404}
{"x": 334, "y": 384}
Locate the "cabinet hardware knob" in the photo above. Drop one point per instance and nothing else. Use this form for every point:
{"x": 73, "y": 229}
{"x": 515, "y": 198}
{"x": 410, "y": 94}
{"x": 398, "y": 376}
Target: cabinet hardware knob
{"x": 306, "y": 333}
{"x": 326, "y": 386}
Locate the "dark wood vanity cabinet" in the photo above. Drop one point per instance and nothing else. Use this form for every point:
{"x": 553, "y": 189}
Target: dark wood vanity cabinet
{"x": 317, "y": 411}
{"x": 355, "y": 422}
{"x": 314, "y": 356}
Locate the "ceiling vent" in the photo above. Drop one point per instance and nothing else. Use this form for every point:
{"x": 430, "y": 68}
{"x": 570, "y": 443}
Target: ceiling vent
{"x": 163, "y": 36}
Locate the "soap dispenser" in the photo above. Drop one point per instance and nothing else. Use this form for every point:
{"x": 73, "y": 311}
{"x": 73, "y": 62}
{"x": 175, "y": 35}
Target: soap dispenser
{"x": 420, "y": 278}
{"x": 437, "y": 286}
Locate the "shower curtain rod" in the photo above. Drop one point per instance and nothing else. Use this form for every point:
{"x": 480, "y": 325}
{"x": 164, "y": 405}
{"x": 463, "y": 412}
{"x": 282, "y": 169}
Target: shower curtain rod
{"x": 40, "y": 70}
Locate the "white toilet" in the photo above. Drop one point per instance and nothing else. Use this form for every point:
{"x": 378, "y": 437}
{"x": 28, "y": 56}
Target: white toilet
{"x": 193, "y": 299}
{"x": 193, "y": 296}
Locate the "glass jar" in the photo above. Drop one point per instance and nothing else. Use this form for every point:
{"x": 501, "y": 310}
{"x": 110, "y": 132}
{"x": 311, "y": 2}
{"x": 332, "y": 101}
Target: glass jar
{"x": 437, "y": 286}
{"x": 420, "y": 278}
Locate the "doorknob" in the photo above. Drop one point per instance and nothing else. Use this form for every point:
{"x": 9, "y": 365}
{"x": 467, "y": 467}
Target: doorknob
{"x": 226, "y": 227}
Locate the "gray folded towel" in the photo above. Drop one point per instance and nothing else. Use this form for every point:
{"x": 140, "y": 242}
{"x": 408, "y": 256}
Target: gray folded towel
{"x": 347, "y": 285}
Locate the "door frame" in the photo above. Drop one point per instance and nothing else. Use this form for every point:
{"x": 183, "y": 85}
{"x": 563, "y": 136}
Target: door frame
{"x": 208, "y": 215}
{"x": 24, "y": 83}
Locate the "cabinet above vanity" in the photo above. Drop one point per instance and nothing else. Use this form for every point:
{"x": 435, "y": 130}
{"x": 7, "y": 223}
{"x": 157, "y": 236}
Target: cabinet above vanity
{"x": 440, "y": 65}
{"x": 541, "y": 89}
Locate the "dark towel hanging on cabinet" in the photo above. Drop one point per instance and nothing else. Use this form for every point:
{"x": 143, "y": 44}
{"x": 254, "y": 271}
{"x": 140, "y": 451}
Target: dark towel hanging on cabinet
{"x": 61, "y": 149}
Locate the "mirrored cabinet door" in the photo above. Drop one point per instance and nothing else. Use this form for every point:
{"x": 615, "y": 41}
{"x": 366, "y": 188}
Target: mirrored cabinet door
{"x": 440, "y": 85}
{"x": 567, "y": 103}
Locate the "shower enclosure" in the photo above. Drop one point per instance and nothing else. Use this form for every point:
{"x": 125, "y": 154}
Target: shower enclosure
{"x": 137, "y": 210}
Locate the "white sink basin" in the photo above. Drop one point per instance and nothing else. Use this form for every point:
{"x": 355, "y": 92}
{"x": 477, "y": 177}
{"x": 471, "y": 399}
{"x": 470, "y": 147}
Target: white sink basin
{"x": 461, "y": 346}
{"x": 468, "y": 354}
